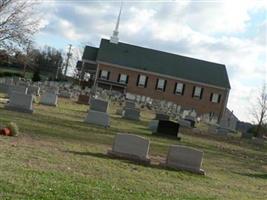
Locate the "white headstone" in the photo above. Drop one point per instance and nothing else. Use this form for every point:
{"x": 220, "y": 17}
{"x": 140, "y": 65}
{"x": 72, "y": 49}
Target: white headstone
{"x": 98, "y": 118}
{"x": 20, "y": 102}
{"x": 49, "y": 99}
{"x": 131, "y": 147}
{"x": 185, "y": 158}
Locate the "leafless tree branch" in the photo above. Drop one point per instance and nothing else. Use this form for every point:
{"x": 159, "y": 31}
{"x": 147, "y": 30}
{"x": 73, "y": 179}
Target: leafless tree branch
{"x": 17, "y": 24}
{"x": 259, "y": 110}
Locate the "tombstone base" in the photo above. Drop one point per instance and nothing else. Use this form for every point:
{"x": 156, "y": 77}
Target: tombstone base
{"x": 48, "y": 104}
{"x": 182, "y": 168}
{"x": 128, "y": 157}
{"x": 24, "y": 110}
{"x": 167, "y": 136}
{"x": 98, "y": 118}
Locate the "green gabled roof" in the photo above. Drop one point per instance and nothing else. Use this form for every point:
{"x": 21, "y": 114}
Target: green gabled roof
{"x": 163, "y": 63}
{"x": 90, "y": 53}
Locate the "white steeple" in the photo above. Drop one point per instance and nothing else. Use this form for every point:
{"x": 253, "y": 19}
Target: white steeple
{"x": 115, "y": 37}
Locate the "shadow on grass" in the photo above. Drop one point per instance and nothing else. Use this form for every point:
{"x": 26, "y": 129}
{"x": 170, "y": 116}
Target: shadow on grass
{"x": 260, "y": 176}
{"x": 152, "y": 165}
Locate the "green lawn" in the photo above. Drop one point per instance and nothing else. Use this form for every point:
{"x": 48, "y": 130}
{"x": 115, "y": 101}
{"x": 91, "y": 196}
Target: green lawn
{"x": 57, "y": 156}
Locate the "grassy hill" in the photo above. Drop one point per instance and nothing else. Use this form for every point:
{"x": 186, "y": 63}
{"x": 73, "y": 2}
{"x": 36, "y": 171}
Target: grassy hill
{"x": 57, "y": 156}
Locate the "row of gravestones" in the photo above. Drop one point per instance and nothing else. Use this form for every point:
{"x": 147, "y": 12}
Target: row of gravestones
{"x": 165, "y": 107}
{"x": 133, "y": 147}
{"x": 98, "y": 114}
{"x": 30, "y": 90}
{"x": 21, "y": 98}
{"x": 168, "y": 108}
{"x": 50, "y": 98}
{"x": 130, "y": 146}
{"x": 131, "y": 112}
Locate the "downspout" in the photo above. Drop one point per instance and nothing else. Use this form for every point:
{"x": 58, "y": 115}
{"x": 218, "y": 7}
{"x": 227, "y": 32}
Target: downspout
{"x": 224, "y": 105}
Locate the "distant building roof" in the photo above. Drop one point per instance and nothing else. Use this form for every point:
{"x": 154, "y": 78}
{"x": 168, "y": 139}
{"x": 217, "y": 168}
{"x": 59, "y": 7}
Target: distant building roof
{"x": 90, "y": 53}
{"x": 159, "y": 62}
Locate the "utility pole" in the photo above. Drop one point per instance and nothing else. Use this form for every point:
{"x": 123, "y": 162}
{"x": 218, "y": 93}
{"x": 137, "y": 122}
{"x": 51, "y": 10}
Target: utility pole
{"x": 69, "y": 54}
{"x": 58, "y": 67}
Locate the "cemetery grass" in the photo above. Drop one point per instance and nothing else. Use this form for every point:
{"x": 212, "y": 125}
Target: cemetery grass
{"x": 57, "y": 156}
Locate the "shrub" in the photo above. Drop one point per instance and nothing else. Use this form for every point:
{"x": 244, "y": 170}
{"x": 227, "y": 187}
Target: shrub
{"x": 14, "y": 128}
{"x": 10, "y": 74}
{"x": 36, "y": 76}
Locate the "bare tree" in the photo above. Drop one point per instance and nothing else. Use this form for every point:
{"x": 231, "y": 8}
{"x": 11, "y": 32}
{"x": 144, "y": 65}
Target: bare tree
{"x": 17, "y": 23}
{"x": 259, "y": 111}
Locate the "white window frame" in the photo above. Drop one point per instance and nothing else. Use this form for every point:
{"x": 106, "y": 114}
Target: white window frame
{"x": 197, "y": 92}
{"x": 161, "y": 84}
{"x": 179, "y": 88}
{"x": 142, "y": 80}
{"x": 104, "y": 74}
{"x": 123, "y": 78}
{"x": 215, "y": 98}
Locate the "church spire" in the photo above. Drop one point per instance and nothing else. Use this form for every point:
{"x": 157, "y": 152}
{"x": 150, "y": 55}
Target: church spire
{"x": 115, "y": 37}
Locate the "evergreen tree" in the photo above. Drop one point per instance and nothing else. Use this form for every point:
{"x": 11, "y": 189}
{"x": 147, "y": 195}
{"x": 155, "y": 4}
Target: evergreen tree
{"x": 36, "y": 76}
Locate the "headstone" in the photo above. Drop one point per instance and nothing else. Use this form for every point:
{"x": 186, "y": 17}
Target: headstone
{"x": 247, "y": 135}
{"x": 131, "y": 114}
{"x": 20, "y": 102}
{"x": 185, "y": 123}
{"x": 129, "y": 104}
{"x": 98, "y": 118}
{"x": 9, "y": 81}
{"x": 52, "y": 89}
{"x": 143, "y": 99}
{"x": 49, "y": 99}
{"x": 65, "y": 94}
{"x": 4, "y": 88}
{"x": 18, "y": 89}
{"x": 162, "y": 116}
{"x": 191, "y": 119}
{"x": 222, "y": 131}
{"x": 153, "y": 125}
{"x": 212, "y": 129}
{"x": 34, "y": 90}
{"x": 185, "y": 158}
{"x": 168, "y": 128}
{"x": 258, "y": 141}
{"x": 131, "y": 147}
{"x": 83, "y": 99}
{"x": 99, "y": 105}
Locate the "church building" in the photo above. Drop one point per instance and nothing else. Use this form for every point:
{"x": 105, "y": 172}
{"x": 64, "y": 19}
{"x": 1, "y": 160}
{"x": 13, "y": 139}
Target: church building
{"x": 191, "y": 83}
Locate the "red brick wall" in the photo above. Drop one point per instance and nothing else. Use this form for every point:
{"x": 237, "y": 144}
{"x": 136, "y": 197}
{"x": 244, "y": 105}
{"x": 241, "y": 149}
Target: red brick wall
{"x": 203, "y": 105}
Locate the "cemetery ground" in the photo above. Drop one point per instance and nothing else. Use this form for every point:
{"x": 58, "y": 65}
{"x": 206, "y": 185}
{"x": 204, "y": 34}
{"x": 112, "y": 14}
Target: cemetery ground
{"x": 58, "y": 156}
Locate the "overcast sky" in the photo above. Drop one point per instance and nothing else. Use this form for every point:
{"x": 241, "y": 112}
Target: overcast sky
{"x": 228, "y": 32}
